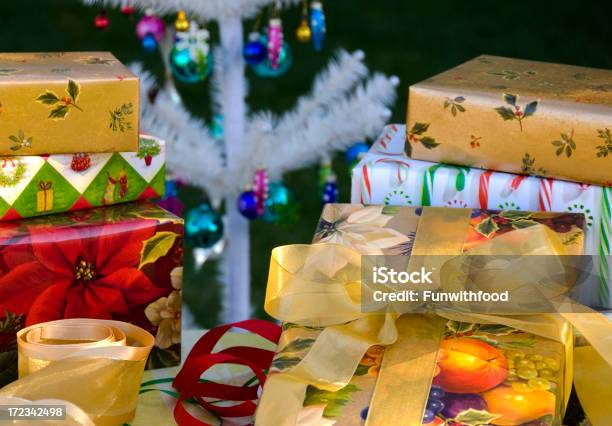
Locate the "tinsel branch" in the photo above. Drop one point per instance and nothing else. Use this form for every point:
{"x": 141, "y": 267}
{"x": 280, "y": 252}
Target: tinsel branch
{"x": 332, "y": 127}
{"x": 343, "y": 72}
{"x": 192, "y": 154}
{"x": 205, "y": 10}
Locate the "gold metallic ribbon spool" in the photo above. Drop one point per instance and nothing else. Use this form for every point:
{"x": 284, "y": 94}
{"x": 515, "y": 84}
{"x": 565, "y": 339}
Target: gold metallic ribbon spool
{"x": 96, "y": 365}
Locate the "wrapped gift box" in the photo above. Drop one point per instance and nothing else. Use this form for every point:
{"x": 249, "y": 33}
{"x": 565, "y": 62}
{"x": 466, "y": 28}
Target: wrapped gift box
{"x": 523, "y": 379}
{"x": 36, "y": 185}
{"x": 386, "y": 176}
{"x": 122, "y": 262}
{"x": 67, "y": 102}
{"x": 456, "y": 392}
{"x": 515, "y": 116}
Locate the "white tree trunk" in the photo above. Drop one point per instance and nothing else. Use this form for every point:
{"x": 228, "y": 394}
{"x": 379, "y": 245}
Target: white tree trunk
{"x": 237, "y": 263}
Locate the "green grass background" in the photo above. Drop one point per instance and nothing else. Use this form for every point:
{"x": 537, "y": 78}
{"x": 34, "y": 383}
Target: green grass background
{"x": 410, "y": 39}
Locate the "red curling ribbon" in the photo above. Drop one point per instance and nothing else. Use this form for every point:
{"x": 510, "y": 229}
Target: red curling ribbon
{"x": 201, "y": 358}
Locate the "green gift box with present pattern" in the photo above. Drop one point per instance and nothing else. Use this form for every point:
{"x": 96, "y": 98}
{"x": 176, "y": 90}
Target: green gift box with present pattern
{"x": 44, "y": 184}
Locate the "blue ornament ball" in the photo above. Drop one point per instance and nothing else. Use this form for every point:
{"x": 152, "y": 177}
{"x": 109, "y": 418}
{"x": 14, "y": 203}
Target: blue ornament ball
{"x": 254, "y": 50}
{"x": 203, "y": 226}
{"x": 187, "y": 70}
{"x": 247, "y": 205}
{"x": 330, "y": 193}
{"x": 278, "y": 205}
{"x": 149, "y": 44}
{"x": 264, "y": 69}
{"x": 354, "y": 152}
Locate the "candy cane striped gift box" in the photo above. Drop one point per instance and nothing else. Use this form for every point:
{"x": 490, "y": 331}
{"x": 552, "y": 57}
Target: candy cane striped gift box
{"x": 386, "y": 176}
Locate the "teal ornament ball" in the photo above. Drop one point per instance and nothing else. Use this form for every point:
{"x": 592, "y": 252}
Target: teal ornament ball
{"x": 203, "y": 226}
{"x": 264, "y": 68}
{"x": 187, "y": 69}
{"x": 279, "y": 203}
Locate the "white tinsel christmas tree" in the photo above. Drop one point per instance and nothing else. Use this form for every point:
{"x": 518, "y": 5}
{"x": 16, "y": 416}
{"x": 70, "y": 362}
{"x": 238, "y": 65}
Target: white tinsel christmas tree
{"x": 346, "y": 104}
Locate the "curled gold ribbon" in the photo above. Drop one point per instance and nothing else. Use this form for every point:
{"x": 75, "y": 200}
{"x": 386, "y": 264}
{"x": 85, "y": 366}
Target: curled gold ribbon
{"x": 300, "y": 291}
{"x": 96, "y": 365}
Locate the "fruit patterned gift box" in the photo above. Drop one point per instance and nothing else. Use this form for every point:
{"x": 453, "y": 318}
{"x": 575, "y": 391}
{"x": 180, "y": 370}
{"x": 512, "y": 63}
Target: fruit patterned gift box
{"x": 515, "y": 116}
{"x": 67, "y": 102}
{"x": 37, "y": 185}
{"x": 479, "y": 374}
{"x": 121, "y": 262}
{"x": 386, "y": 176}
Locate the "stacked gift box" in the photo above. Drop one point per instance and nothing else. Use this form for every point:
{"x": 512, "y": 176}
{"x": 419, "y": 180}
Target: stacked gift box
{"x": 77, "y": 236}
{"x": 498, "y": 156}
{"x": 499, "y": 133}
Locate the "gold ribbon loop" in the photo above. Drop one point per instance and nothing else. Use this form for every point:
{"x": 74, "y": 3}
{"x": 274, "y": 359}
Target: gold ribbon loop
{"x": 96, "y": 365}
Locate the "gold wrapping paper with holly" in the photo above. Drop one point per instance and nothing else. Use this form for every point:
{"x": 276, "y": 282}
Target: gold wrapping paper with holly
{"x": 515, "y": 116}
{"x": 67, "y": 102}
{"x": 339, "y": 365}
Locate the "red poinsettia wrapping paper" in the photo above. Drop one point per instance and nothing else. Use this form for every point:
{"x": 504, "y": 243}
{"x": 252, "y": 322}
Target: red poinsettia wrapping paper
{"x": 515, "y": 116}
{"x": 36, "y": 185}
{"x": 122, "y": 262}
{"x": 385, "y": 175}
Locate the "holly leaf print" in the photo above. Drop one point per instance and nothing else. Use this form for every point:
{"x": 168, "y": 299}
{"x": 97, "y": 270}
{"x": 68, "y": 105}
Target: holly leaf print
{"x": 408, "y": 150}
{"x": 565, "y": 145}
{"x": 429, "y": 143}
{"x": 414, "y": 136}
{"x": 510, "y": 99}
{"x": 285, "y": 362}
{"x": 487, "y": 227}
{"x": 20, "y": 141}
{"x": 419, "y": 128}
{"x": 530, "y": 109}
{"x": 605, "y": 149}
{"x": 157, "y": 246}
{"x": 48, "y": 98}
{"x": 473, "y": 417}
{"x": 455, "y": 105}
{"x": 59, "y": 112}
{"x": 523, "y": 223}
{"x": 60, "y": 107}
{"x": 73, "y": 90}
{"x": 505, "y": 113}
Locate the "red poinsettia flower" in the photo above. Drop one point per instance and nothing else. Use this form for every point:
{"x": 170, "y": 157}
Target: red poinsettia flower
{"x": 83, "y": 271}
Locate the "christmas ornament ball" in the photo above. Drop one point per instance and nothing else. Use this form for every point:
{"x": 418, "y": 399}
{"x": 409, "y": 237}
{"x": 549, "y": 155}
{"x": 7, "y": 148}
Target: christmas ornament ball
{"x": 203, "y": 226}
{"x": 278, "y": 203}
{"x": 101, "y": 21}
{"x": 354, "y": 152}
{"x": 190, "y": 70}
{"x": 152, "y": 26}
{"x": 247, "y": 205}
{"x": 285, "y": 59}
{"x": 254, "y": 50}
{"x": 303, "y": 33}
{"x": 330, "y": 192}
{"x": 149, "y": 43}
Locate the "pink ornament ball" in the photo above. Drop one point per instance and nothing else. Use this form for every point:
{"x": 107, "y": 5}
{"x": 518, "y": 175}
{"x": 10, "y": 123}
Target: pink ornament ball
{"x": 151, "y": 24}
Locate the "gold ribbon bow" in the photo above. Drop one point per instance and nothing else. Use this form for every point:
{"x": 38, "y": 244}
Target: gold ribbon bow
{"x": 96, "y": 365}
{"x": 300, "y": 290}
